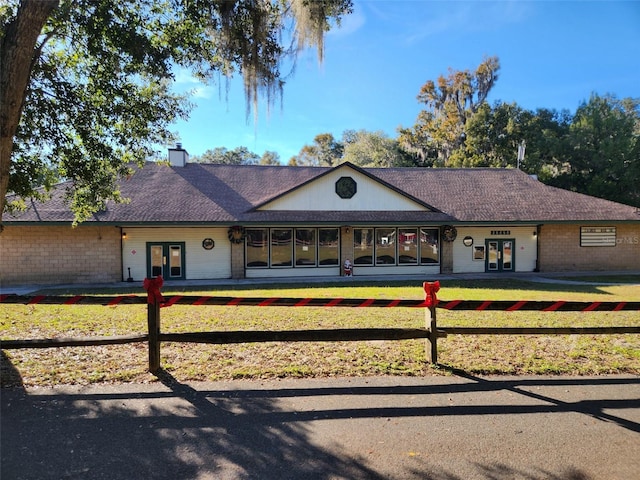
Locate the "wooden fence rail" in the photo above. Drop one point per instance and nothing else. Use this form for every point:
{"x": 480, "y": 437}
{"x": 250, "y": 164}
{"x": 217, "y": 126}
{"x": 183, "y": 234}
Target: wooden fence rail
{"x": 432, "y": 331}
{"x": 73, "y": 341}
{"x": 478, "y": 305}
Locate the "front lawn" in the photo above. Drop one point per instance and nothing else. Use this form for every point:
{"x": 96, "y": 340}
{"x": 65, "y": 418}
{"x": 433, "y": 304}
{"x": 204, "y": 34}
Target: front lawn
{"x": 562, "y": 354}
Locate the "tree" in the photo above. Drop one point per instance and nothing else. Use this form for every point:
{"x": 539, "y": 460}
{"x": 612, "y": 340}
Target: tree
{"x": 270, "y": 158}
{"x": 545, "y": 132}
{"x": 492, "y": 136}
{"x": 451, "y": 101}
{"x": 373, "y": 149}
{"x": 85, "y": 84}
{"x": 237, "y": 156}
{"x": 494, "y": 133}
{"x": 604, "y": 159}
{"x": 325, "y": 151}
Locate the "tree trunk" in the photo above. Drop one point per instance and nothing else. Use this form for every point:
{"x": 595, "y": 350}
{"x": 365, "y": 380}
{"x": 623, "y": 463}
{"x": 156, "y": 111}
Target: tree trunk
{"x": 17, "y": 57}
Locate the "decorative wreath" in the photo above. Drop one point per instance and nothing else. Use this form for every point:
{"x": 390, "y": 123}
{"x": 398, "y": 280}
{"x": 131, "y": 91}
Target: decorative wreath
{"x": 236, "y": 234}
{"x": 449, "y": 233}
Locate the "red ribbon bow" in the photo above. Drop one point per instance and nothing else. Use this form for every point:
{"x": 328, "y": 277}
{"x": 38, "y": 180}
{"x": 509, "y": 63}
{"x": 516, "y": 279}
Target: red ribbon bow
{"x": 430, "y": 289}
{"x": 153, "y": 286}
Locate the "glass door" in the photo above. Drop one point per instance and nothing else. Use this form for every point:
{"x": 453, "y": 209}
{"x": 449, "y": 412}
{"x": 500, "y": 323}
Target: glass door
{"x": 500, "y": 255}
{"x": 166, "y": 260}
{"x": 157, "y": 260}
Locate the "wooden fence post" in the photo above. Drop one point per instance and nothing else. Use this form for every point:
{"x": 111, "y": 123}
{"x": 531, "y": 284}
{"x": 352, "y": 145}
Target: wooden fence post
{"x": 154, "y": 300}
{"x": 432, "y": 326}
{"x": 153, "y": 321}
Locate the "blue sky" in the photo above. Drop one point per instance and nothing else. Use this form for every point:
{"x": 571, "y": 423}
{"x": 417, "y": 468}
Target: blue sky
{"x": 553, "y": 54}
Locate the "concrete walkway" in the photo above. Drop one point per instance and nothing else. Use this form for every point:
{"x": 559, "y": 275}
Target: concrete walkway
{"x": 431, "y": 428}
{"x": 547, "y": 277}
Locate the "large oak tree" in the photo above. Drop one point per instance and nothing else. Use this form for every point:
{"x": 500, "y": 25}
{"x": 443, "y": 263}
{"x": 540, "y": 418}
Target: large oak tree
{"x": 85, "y": 85}
{"x": 450, "y": 102}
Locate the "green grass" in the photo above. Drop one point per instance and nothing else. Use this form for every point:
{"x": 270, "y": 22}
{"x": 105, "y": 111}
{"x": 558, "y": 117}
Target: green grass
{"x": 564, "y": 354}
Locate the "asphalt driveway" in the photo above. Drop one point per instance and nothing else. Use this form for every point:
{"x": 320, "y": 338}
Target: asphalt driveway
{"x": 439, "y": 427}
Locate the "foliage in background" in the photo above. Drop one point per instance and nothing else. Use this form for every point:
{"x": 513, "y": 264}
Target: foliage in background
{"x": 595, "y": 151}
{"x": 325, "y": 151}
{"x": 603, "y": 150}
{"x": 237, "y": 156}
{"x": 449, "y": 103}
{"x": 360, "y": 147}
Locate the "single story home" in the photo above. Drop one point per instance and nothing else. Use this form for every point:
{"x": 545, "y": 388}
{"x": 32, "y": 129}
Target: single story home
{"x": 205, "y": 221}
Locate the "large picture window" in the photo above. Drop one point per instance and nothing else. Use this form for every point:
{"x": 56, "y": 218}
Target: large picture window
{"x": 328, "y": 246}
{"x": 396, "y": 246}
{"x": 363, "y": 246}
{"x": 257, "y": 247}
{"x": 385, "y": 246}
{"x": 305, "y": 247}
{"x": 429, "y": 245}
{"x": 288, "y": 247}
{"x": 281, "y": 251}
{"x": 408, "y": 246}
{"x": 320, "y": 247}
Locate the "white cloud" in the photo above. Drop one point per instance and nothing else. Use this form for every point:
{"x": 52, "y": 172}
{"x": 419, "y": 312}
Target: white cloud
{"x": 185, "y": 82}
{"x": 184, "y": 76}
{"x": 201, "y": 92}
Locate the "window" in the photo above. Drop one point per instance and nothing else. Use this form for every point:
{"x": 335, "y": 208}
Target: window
{"x": 328, "y": 246}
{"x": 320, "y": 247}
{"x": 363, "y": 246}
{"x": 288, "y": 247}
{"x": 305, "y": 247}
{"x": 385, "y": 246}
{"x": 396, "y": 246}
{"x": 175, "y": 261}
{"x": 429, "y": 245}
{"x": 408, "y": 246}
{"x": 478, "y": 252}
{"x": 257, "y": 247}
{"x": 281, "y": 243}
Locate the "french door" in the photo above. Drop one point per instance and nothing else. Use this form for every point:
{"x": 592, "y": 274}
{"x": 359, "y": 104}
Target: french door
{"x": 165, "y": 259}
{"x": 500, "y": 255}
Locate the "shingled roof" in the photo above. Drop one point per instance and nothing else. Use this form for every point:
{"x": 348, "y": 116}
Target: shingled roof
{"x": 225, "y": 194}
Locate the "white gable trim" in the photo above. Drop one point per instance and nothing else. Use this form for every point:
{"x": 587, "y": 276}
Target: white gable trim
{"x": 320, "y": 195}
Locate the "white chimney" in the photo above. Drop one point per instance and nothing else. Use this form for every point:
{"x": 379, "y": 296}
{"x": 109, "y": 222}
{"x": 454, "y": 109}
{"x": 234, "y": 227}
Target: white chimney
{"x": 178, "y": 157}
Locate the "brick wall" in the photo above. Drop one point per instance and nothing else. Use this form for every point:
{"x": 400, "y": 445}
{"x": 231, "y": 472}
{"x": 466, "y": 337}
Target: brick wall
{"x": 560, "y": 249}
{"x": 31, "y": 255}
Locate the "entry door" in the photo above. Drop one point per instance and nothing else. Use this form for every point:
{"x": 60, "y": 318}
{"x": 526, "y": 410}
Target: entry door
{"x": 500, "y": 255}
{"x": 166, "y": 259}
